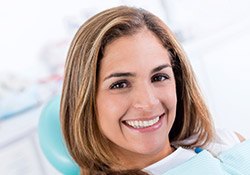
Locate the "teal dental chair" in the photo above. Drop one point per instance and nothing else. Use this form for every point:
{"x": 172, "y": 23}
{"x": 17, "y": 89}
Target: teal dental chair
{"x": 51, "y": 139}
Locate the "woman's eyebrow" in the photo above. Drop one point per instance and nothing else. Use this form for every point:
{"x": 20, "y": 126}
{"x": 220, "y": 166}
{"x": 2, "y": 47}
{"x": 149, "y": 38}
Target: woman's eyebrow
{"x": 159, "y": 68}
{"x": 120, "y": 74}
{"x": 129, "y": 74}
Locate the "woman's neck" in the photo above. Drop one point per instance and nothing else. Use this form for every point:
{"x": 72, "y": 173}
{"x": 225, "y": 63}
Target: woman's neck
{"x": 130, "y": 160}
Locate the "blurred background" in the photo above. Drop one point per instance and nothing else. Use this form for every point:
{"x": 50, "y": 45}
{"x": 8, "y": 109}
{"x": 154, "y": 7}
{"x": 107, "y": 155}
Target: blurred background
{"x": 35, "y": 36}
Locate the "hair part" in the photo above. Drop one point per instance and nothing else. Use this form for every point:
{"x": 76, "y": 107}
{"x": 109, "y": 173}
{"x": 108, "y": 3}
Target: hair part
{"x": 87, "y": 145}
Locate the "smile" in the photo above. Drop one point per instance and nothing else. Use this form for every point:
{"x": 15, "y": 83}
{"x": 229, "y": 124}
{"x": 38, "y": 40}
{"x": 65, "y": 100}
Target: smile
{"x": 143, "y": 123}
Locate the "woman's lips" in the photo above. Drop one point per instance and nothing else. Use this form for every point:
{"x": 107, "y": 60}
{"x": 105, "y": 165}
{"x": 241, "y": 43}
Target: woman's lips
{"x": 140, "y": 124}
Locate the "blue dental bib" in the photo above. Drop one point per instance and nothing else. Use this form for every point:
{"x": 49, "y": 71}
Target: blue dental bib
{"x": 235, "y": 161}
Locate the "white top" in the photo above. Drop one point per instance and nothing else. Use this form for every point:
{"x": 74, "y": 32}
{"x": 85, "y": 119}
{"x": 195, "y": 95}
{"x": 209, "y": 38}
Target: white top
{"x": 224, "y": 140}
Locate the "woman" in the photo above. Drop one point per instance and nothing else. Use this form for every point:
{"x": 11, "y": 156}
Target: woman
{"x": 130, "y": 97}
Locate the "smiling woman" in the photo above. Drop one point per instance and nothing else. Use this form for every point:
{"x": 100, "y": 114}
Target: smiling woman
{"x": 136, "y": 108}
{"x": 130, "y": 101}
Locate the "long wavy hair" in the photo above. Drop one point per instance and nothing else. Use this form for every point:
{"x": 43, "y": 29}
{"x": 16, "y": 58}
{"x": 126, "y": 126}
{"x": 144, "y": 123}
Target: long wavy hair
{"x": 85, "y": 142}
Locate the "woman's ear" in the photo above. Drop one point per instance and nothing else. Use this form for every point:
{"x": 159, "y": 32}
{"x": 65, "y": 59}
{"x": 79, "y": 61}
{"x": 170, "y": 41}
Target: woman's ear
{"x": 241, "y": 138}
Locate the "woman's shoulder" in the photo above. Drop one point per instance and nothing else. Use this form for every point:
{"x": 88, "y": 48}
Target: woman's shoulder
{"x": 226, "y": 136}
{"x": 223, "y": 140}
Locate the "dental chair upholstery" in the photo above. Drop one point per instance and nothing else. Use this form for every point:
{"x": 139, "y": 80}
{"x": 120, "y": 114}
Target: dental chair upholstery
{"x": 51, "y": 139}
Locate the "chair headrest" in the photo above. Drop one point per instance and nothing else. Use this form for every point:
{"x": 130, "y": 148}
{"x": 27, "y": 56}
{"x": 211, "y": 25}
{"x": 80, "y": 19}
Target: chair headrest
{"x": 51, "y": 139}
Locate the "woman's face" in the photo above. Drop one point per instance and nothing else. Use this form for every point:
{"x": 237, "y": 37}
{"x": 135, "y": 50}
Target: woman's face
{"x": 136, "y": 97}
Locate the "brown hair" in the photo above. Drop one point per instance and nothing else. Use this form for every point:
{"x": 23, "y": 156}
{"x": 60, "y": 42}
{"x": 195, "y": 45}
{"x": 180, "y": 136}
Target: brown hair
{"x": 88, "y": 147}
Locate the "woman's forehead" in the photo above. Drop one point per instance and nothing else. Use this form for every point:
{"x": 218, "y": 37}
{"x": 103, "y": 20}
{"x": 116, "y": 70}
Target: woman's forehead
{"x": 131, "y": 53}
{"x": 140, "y": 44}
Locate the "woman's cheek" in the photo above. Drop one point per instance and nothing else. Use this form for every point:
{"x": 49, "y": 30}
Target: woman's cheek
{"x": 168, "y": 97}
{"x": 115, "y": 105}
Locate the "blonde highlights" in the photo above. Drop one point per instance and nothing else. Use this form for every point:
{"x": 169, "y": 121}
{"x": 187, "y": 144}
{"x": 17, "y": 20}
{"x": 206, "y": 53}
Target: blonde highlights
{"x": 87, "y": 145}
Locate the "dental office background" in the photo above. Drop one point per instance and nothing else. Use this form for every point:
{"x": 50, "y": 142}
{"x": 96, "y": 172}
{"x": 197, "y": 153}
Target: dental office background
{"x": 35, "y": 36}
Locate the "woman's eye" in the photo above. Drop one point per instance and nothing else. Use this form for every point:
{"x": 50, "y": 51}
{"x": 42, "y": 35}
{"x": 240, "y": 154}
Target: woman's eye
{"x": 119, "y": 85}
{"x": 159, "y": 77}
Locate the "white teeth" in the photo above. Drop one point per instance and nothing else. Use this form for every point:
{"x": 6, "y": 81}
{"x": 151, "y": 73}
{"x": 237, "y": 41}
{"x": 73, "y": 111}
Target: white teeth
{"x": 143, "y": 124}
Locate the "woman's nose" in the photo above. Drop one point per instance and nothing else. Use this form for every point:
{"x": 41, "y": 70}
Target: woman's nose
{"x": 145, "y": 98}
